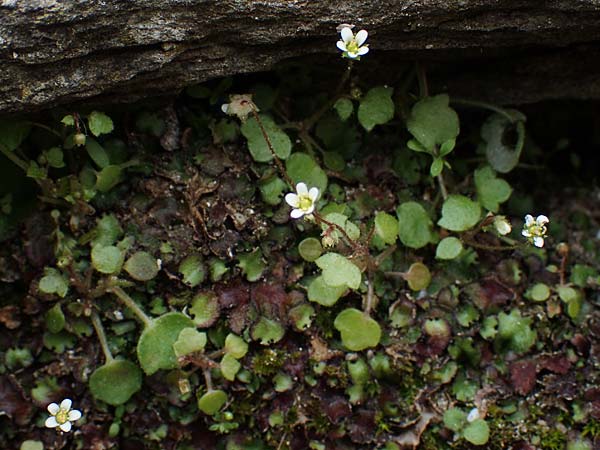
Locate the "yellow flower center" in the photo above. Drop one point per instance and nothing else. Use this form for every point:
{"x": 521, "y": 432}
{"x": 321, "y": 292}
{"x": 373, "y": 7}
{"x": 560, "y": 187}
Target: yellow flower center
{"x": 352, "y": 46}
{"x": 304, "y": 202}
{"x": 62, "y": 416}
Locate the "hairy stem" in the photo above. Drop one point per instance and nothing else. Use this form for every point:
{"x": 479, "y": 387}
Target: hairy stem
{"x": 320, "y": 219}
{"x": 131, "y": 304}
{"x": 101, "y": 336}
{"x": 271, "y": 149}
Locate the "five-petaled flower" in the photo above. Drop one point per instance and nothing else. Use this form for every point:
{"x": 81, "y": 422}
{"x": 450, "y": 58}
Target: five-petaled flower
{"x": 535, "y": 229}
{"x": 352, "y": 45}
{"x": 240, "y": 105}
{"x": 62, "y": 415}
{"x": 303, "y": 201}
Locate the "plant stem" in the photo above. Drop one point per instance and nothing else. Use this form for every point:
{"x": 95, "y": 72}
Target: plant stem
{"x": 14, "y": 158}
{"x": 351, "y": 243}
{"x": 442, "y": 184}
{"x": 370, "y": 293}
{"x": 484, "y": 105}
{"x": 489, "y": 247}
{"x": 101, "y": 336}
{"x": 208, "y": 379}
{"x": 131, "y": 304}
{"x": 271, "y": 149}
{"x": 312, "y": 120}
{"x": 47, "y": 128}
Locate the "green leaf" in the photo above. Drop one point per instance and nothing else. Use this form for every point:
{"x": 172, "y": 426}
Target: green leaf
{"x": 155, "y": 346}
{"x": 34, "y": 445}
{"x": 55, "y": 319}
{"x": 515, "y": 332}
{"x": 386, "y": 227}
{"x": 447, "y": 147}
{"x": 99, "y": 123}
{"x": 53, "y": 282}
{"x": 358, "y": 330}
{"x": 324, "y": 294}
{"x": 491, "y": 191}
{"x": 282, "y": 382}
{"x": 455, "y": 419}
{"x": 539, "y": 292}
{"x": 301, "y": 167}
{"x": 229, "y": 366}
{"x": 116, "y": 381}
{"x": 54, "y": 156}
{"x": 459, "y": 213}
{"x": 504, "y": 140}
{"x": 339, "y": 271}
{"x": 477, "y": 432}
{"x": 205, "y": 309}
{"x": 256, "y": 141}
{"x": 310, "y": 249}
{"x": 108, "y": 178}
{"x": 36, "y": 172}
{"x": 342, "y": 221}
{"x": 448, "y": 248}
{"x": 301, "y": 316}
{"x": 142, "y": 266}
{"x": 97, "y": 153}
{"x": 107, "y": 260}
{"x": 252, "y": 265}
{"x": 193, "y": 271}
{"x": 418, "y": 276}
{"x": 268, "y": 331}
{"x": 376, "y": 107}
{"x": 68, "y": 120}
{"x": 414, "y": 225}
{"x": 271, "y": 190}
{"x": 436, "y": 167}
{"x": 235, "y": 346}
{"x": 13, "y": 133}
{"x": 107, "y": 231}
{"x": 212, "y": 401}
{"x": 432, "y": 122}
{"x": 189, "y": 341}
{"x": 344, "y": 108}
{"x": 334, "y": 161}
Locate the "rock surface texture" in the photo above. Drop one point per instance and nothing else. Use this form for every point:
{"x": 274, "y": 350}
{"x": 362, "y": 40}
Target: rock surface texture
{"x": 509, "y": 51}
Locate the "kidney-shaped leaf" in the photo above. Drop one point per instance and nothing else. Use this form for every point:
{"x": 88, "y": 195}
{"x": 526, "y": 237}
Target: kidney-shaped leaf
{"x": 358, "y": 330}
{"x": 116, "y": 381}
{"x": 155, "y": 347}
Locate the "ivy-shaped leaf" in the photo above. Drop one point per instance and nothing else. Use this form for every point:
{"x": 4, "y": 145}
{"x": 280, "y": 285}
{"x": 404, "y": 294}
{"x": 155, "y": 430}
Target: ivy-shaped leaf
{"x": 459, "y": 213}
{"x": 504, "y": 140}
{"x": 376, "y": 107}
{"x": 257, "y": 145}
{"x": 432, "y": 123}
{"x": 491, "y": 191}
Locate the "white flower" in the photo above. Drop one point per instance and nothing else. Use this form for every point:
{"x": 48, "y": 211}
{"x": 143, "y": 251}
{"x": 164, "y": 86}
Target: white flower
{"x": 351, "y": 44}
{"x": 473, "y": 415}
{"x": 502, "y": 225}
{"x": 303, "y": 201}
{"x": 62, "y": 415}
{"x": 535, "y": 229}
{"x": 239, "y": 105}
